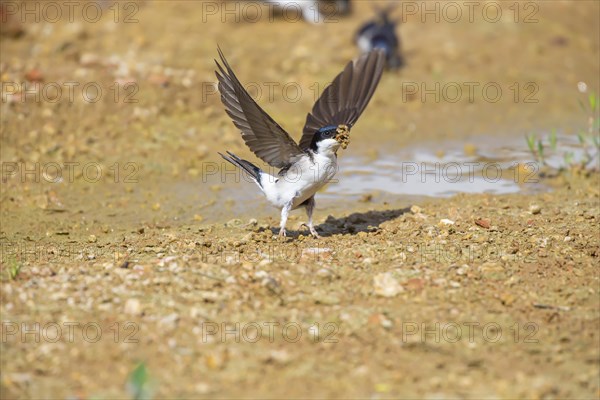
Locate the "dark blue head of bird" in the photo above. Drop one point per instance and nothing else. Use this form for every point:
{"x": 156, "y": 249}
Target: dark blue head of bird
{"x": 339, "y": 133}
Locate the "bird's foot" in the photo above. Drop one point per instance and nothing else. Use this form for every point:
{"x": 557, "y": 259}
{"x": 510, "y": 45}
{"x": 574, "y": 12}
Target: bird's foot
{"x": 282, "y": 232}
{"x": 313, "y": 231}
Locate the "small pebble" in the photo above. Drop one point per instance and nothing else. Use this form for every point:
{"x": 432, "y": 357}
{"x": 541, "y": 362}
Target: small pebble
{"x": 324, "y": 273}
{"x": 133, "y": 307}
{"x": 535, "y": 209}
{"x": 416, "y": 209}
{"x": 89, "y": 59}
{"x": 281, "y": 357}
{"x": 386, "y": 285}
{"x": 484, "y": 223}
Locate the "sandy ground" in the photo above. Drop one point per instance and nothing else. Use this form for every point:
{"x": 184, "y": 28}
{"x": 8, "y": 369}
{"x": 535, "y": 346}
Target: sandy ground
{"x": 157, "y": 261}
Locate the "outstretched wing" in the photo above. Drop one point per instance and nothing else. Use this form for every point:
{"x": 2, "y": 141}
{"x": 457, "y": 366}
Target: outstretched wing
{"x": 345, "y": 99}
{"x": 260, "y": 132}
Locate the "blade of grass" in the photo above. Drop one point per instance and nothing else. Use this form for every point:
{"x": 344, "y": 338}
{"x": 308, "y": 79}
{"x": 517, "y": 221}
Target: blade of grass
{"x": 531, "y": 143}
{"x": 553, "y": 139}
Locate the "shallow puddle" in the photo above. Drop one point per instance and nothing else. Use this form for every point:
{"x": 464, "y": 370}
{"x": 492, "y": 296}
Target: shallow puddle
{"x": 486, "y": 165}
{"x": 458, "y": 168}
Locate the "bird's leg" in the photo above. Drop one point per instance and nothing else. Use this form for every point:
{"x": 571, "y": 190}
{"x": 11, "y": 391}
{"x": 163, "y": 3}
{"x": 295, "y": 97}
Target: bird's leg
{"x": 284, "y": 216}
{"x": 310, "y": 207}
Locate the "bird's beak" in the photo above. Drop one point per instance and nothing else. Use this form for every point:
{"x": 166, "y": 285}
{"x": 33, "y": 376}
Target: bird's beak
{"x": 343, "y": 136}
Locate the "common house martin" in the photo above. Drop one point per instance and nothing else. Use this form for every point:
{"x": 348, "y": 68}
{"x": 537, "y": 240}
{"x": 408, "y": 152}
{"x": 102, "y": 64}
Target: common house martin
{"x": 305, "y": 167}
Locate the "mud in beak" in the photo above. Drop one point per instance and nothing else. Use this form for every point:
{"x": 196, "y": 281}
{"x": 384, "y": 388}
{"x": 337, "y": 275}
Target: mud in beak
{"x": 343, "y": 136}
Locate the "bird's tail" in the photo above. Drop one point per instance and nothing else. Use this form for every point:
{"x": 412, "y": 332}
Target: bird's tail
{"x": 247, "y": 166}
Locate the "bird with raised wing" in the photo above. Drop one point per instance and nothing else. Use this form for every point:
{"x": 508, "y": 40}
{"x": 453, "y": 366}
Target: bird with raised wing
{"x": 305, "y": 167}
{"x": 380, "y": 33}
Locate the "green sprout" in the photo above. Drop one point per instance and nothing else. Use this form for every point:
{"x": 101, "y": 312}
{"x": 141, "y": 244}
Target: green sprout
{"x": 540, "y": 150}
{"x": 138, "y": 383}
{"x": 531, "y": 142}
{"x": 588, "y": 141}
{"x": 536, "y": 147}
{"x": 14, "y": 268}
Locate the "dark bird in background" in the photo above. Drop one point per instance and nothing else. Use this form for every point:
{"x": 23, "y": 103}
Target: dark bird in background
{"x": 380, "y": 33}
{"x": 306, "y": 166}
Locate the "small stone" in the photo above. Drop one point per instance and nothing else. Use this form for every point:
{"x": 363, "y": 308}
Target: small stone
{"x": 89, "y": 59}
{"x": 535, "y": 209}
{"x": 386, "y": 285}
{"x": 187, "y": 82}
{"x": 281, "y": 357}
{"x": 446, "y": 221}
{"x": 386, "y": 323}
{"x": 133, "y": 307}
{"x": 264, "y": 262}
{"x": 260, "y": 274}
{"x": 34, "y": 75}
{"x": 92, "y": 239}
{"x": 416, "y": 210}
{"x": 325, "y": 273}
{"x": 484, "y": 223}
{"x": 462, "y": 270}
